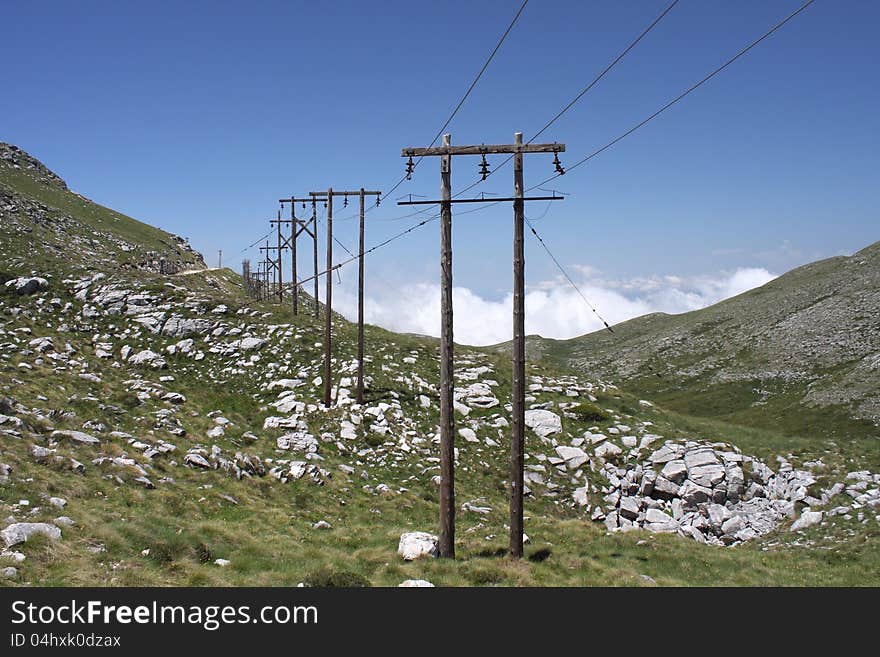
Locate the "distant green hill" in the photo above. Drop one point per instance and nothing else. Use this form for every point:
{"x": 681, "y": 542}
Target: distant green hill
{"x": 800, "y": 354}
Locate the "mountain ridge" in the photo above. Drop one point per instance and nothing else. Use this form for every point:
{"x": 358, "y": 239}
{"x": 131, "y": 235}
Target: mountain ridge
{"x": 813, "y": 332}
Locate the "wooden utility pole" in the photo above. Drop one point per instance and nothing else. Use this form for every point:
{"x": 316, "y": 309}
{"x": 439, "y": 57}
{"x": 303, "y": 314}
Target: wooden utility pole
{"x": 360, "y": 381}
{"x": 310, "y": 227}
{"x": 447, "y": 447}
{"x": 273, "y": 267}
{"x": 219, "y": 258}
{"x": 287, "y": 243}
{"x": 279, "y": 268}
{"x": 517, "y": 438}
{"x": 360, "y": 376}
{"x": 293, "y": 274}
{"x": 328, "y": 302}
{"x": 328, "y": 292}
{"x": 315, "y": 251}
{"x": 447, "y": 367}
{"x": 246, "y": 275}
{"x": 258, "y": 278}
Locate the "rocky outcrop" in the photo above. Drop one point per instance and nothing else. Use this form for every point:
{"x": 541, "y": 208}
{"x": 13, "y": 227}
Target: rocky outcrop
{"x": 16, "y": 158}
{"x": 712, "y": 494}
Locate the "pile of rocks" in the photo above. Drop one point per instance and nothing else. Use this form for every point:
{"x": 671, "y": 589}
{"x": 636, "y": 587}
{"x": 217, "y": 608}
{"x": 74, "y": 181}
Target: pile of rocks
{"x": 711, "y": 493}
{"x": 240, "y": 465}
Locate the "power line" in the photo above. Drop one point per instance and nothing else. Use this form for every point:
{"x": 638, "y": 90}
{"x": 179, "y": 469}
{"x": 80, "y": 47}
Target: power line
{"x": 682, "y": 95}
{"x": 395, "y": 237}
{"x": 255, "y": 243}
{"x": 604, "y": 71}
{"x": 565, "y": 273}
{"x": 639, "y": 125}
{"x": 585, "y": 90}
{"x": 467, "y": 93}
{"x": 469, "y": 90}
{"x": 354, "y": 258}
{"x": 488, "y": 204}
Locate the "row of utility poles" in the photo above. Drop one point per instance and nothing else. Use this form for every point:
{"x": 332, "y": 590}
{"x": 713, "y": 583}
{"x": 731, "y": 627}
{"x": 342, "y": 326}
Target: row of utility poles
{"x": 271, "y": 268}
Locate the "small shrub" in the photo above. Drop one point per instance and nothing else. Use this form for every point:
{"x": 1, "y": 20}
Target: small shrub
{"x": 540, "y": 555}
{"x": 590, "y": 413}
{"x": 326, "y": 577}
{"x": 374, "y": 439}
{"x": 165, "y": 552}
{"x": 204, "y": 554}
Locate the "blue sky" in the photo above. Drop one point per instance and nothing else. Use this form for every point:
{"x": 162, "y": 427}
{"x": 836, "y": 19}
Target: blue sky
{"x": 197, "y": 117}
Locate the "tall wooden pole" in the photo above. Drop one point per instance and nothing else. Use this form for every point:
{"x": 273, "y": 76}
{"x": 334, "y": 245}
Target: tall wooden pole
{"x": 268, "y": 293}
{"x": 328, "y": 305}
{"x": 447, "y": 374}
{"x": 360, "y": 382}
{"x": 280, "y": 278}
{"x": 517, "y": 441}
{"x": 315, "y": 250}
{"x": 445, "y": 152}
{"x": 293, "y": 277}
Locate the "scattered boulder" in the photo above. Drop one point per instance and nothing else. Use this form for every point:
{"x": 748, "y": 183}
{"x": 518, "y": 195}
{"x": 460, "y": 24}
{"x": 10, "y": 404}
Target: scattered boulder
{"x": 27, "y": 285}
{"x": 543, "y": 422}
{"x": 75, "y": 436}
{"x": 298, "y": 442}
{"x": 181, "y": 327}
{"x": 574, "y": 457}
{"x": 149, "y": 359}
{"x": 414, "y": 545}
{"x": 194, "y": 459}
{"x": 807, "y": 519}
{"x": 20, "y": 532}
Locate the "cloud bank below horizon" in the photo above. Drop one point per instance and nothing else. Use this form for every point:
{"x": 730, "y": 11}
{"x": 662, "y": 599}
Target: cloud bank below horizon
{"x": 553, "y": 308}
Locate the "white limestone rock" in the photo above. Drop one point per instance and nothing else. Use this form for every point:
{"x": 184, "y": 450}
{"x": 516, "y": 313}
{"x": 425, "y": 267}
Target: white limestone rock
{"x": 414, "y": 545}
{"x": 20, "y": 532}
{"x": 543, "y": 422}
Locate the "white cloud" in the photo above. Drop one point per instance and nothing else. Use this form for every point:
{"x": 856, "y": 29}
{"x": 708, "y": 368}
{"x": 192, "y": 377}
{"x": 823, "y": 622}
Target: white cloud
{"x": 553, "y": 308}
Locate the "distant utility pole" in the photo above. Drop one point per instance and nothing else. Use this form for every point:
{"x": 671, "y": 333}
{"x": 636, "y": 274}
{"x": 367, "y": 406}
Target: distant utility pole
{"x": 360, "y": 377}
{"x": 285, "y": 243}
{"x": 447, "y": 383}
{"x": 310, "y": 227}
{"x": 328, "y": 292}
{"x": 220, "y": 259}
{"x": 273, "y": 267}
{"x": 280, "y": 250}
{"x": 246, "y": 275}
{"x": 259, "y": 278}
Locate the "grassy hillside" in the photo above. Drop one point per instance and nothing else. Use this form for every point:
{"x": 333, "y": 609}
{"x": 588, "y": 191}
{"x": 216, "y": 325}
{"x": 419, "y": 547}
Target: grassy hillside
{"x": 205, "y": 440}
{"x": 44, "y": 221}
